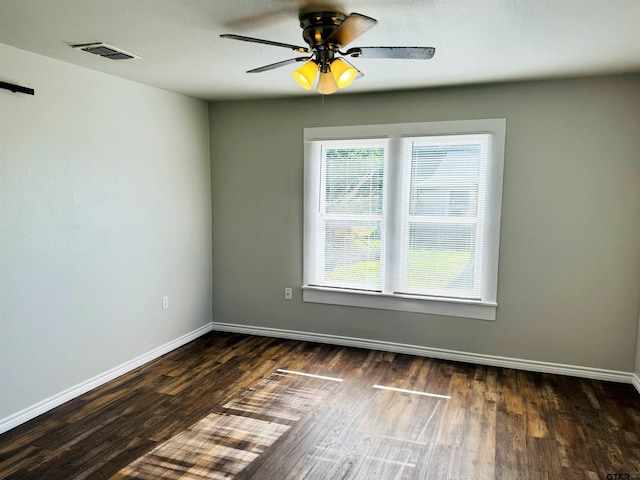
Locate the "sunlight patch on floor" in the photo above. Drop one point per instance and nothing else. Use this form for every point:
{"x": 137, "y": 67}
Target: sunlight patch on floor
{"x": 224, "y": 443}
{"x": 414, "y": 392}
{"x": 321, "y": 377}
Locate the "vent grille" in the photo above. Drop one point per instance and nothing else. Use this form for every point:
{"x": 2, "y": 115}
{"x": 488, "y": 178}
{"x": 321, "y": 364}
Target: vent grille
{"x": 106, "y": 51}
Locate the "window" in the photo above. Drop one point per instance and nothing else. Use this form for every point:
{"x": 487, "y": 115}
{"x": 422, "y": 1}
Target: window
{"x": 404, "y": 216}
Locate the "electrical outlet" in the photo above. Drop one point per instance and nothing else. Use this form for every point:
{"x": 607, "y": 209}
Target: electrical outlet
{"x": 165, "y": 303}
{"x": 287, "y": 293}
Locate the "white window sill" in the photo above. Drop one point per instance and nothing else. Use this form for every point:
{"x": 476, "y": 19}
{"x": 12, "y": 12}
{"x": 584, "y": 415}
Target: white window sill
{"x": 404, "y": 303}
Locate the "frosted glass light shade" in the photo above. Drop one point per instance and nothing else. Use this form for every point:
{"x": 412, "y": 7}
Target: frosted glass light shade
{"x": 327, "y": 83}
{"x": 343, "y": 73}
{"x": 305, "y": 74}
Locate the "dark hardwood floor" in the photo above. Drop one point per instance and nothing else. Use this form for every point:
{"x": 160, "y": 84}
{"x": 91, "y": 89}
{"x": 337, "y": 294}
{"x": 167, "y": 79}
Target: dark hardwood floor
{"x": 236, "y": 406}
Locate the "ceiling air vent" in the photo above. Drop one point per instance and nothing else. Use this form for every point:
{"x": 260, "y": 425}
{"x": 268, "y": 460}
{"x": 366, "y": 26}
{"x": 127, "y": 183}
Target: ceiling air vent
{"x": 106, "y": 51}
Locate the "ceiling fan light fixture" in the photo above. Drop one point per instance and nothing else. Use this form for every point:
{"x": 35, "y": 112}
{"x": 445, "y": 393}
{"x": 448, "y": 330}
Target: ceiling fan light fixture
{"x": 305, "y": 75}
{"x": 343, "y": 73}
{"x": 325, "y": 32}
{"x": 327, "y": 83}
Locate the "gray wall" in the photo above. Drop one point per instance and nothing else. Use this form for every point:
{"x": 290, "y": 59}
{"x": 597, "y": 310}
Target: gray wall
{"x": 105, "y": 206}
{"x": 638, "y": 352}
{"x": 569, "y": 257}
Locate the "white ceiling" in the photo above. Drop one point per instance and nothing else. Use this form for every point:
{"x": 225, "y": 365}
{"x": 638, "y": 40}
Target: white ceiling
{"x": 475, "y": 40}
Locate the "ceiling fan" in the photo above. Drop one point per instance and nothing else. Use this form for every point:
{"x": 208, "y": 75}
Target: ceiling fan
{"x": 326, "y": 33}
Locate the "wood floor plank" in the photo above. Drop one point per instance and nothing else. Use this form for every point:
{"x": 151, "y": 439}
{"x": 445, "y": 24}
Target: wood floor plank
{"x": 544, "y": 460}
{"x": 535, "y": 415}
{"x": 448, "y": 420}
{"x": 511, "y": 459}
{"x": 480, "y": 435}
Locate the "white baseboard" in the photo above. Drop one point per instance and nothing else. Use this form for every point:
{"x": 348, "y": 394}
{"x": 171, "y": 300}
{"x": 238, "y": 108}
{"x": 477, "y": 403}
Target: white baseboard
{"x": 39, "y": 408}
{"x": 477, "y": 358}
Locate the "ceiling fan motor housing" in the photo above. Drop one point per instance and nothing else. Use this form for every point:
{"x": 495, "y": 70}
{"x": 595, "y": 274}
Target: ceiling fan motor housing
{"x": 317, "y": 26}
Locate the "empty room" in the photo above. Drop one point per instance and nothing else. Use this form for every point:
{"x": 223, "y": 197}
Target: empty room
{"x": 291, "y": 239}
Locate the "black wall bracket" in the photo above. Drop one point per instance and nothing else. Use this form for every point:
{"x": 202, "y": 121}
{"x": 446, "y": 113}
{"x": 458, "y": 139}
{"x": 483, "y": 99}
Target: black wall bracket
{"x": 17, "y": 88}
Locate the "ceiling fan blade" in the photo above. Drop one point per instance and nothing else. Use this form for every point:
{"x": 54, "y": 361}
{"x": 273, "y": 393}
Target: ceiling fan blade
{"x": 407, "y": 53}
{"x": 278, "y": 64}
{"x": 295, "y": 48}
{"x": 353, "y": 26}
{"x": 261, "y": 19}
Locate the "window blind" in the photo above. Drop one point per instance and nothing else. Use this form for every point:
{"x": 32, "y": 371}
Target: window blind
{"x": 442, "y": 215}
{"x": 350, "y": 221}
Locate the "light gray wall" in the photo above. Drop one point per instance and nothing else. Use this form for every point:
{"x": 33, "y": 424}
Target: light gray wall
{"x": 638, "y": 351}
{"x": 569, "y": 258}
{"x": 105, "y": 206}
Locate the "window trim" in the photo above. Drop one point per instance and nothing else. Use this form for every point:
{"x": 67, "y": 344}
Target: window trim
{"x": 484, "y": 309}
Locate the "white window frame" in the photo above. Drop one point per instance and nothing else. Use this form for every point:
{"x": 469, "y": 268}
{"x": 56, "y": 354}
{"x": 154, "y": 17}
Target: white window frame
{"x": 485, "y": 307}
